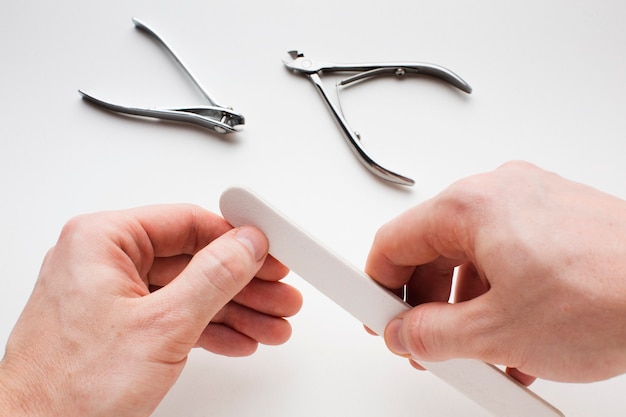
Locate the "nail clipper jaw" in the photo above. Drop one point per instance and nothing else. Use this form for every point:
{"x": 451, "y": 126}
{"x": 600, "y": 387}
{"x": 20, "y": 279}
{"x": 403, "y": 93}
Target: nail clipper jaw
{"x": 221, "y": 120}
{"x": 232, "y": 119}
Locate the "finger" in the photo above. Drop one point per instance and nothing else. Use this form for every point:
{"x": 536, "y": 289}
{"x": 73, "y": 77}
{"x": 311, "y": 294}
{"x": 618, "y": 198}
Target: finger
{"x": 416, "y": 365}
{"x": 266, "y": 329}
{"x": 212, "y": 278}
{"x": 179, "y": 229}
{"x": 427, "y": 283}
{"x": 419, "y": 236}
{"x": 272, "y": 270}
{"x": 430, "y": 282}
{"x": 223, "y": 340}
{"x": 155, "y": 231}
{"x": 431, "y": 332}
{"x": 164, "y": 270}
{"x": 271, "y": 298}
{"x": 370, "y": 331}
{"x": 520, "y": 376}
{"x": 469, "y": 283}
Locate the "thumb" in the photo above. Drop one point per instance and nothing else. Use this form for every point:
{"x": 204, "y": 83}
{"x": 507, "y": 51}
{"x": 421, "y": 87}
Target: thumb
{"x": 435, "y": 332}
{"x": 214, "y": 276}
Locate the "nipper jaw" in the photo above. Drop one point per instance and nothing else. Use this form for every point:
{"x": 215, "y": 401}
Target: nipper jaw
{"x": 299, "y": 63}
{"x": 313, "y": 69}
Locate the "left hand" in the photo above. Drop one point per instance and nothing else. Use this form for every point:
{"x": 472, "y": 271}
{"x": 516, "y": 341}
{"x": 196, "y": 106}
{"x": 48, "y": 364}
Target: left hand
{"x": 124, "y": 296}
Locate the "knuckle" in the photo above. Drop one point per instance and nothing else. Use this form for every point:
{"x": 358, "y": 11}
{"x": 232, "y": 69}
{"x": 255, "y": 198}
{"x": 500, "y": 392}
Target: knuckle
{"x": 468, "y": 196}
{"x": 517, "y": 165}
{"x": 222, "y": 275}
{"x": 78, "y": 225}
{"x": 421, "y": 341}
{"x": 101, "y": 224}
{"x": 82, "y": 229}
{"x": 483, "y": 190}
{"x": 227, "y": 269}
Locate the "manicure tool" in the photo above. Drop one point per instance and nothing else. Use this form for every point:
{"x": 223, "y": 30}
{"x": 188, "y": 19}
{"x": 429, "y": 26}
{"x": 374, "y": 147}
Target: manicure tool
{"x": 374, "y": 305}
{"x": 218, "y": 118}
{"x": 313, "y": 69}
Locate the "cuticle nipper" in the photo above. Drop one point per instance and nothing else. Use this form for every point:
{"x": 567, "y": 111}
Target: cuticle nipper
{"x": 312, "y": 69}
{"x": 220, "y": 119}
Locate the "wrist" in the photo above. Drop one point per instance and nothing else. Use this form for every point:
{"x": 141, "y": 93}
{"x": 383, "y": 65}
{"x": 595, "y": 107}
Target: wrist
{"x": 10, "y": 397}
{"x": 18, "y": 397}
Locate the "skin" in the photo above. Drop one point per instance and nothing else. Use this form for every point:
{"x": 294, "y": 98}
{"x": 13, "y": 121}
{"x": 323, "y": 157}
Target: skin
{"x": 124, "y": 296}
{"x": 541, "y": 277}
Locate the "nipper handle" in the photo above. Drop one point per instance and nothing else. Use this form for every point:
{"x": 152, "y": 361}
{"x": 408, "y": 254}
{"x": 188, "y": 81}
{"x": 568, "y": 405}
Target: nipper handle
{"x": 355, "y": 142}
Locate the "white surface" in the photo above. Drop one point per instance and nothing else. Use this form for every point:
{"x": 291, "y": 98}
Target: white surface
{"x": 371, "y": 304}
{"x": 548, "y": 81}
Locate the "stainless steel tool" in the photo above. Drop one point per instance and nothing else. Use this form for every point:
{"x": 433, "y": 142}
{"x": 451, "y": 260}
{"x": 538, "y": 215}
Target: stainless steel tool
{"x": 313, "y": 69}
{"x": 220, "y": 119}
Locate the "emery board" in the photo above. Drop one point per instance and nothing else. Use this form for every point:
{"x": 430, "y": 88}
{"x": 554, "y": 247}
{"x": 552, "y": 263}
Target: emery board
{"x": 374, "y": 305}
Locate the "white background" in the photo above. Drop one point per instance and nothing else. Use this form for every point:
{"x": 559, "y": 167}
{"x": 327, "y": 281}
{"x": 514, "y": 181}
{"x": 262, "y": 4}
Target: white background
{"x": 548, "y": 80}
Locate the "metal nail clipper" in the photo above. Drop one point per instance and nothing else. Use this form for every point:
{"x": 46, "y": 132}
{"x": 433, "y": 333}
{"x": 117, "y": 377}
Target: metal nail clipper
{"x": 218, "y": 118}
{"x": 313, "y": 69}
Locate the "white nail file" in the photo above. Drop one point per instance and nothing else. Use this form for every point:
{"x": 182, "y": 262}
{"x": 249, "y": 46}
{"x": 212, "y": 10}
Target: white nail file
{"x": 373, "y": 305}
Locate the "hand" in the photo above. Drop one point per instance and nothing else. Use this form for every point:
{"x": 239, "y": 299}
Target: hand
{"x": 541, "y": 285}
{"x": 93, "y": 340}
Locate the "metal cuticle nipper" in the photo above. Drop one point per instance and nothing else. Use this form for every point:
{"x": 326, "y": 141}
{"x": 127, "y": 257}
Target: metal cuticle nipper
{"x": 313, "y": 69}
{"x": 220, "y": 119}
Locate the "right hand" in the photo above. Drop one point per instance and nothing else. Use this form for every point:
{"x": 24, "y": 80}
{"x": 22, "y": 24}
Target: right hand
{"x": 541, "y": 286}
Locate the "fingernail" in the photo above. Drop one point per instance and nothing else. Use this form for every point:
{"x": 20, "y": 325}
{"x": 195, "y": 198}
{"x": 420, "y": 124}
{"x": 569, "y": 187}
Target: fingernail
{"x": 254, "y": 240}
{"x": 394, "y": 339}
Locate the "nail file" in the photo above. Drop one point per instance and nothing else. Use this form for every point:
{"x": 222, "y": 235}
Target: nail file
{"x": 374, "y": 305}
